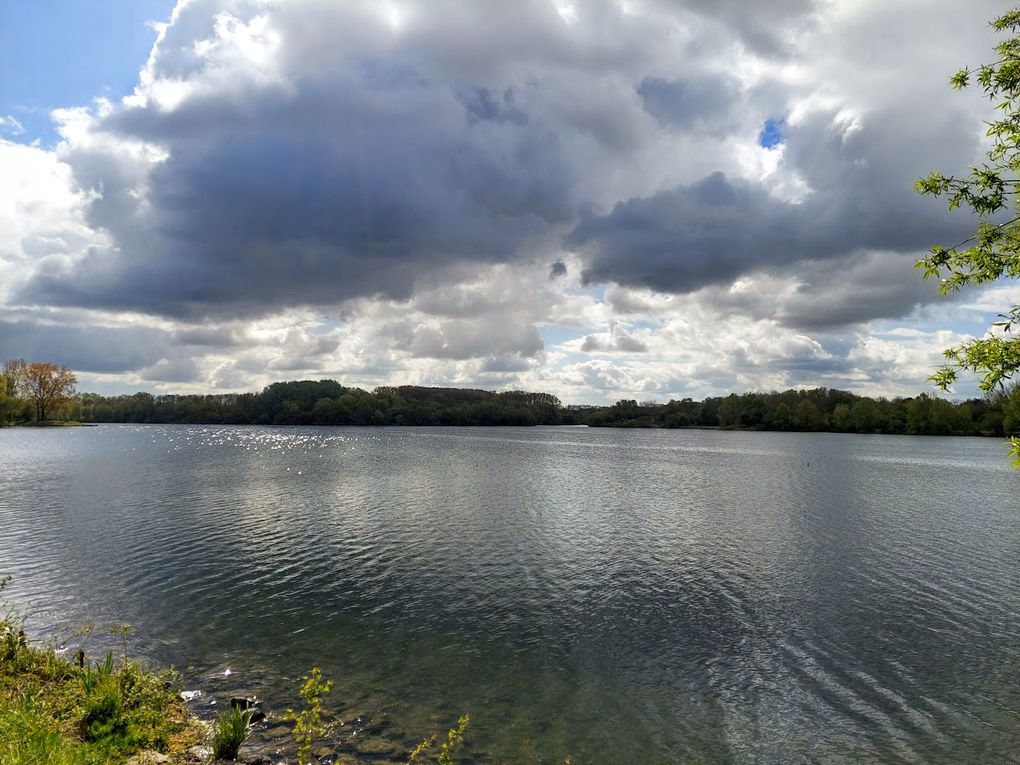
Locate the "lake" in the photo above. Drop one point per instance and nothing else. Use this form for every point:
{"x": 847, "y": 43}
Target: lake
{"x": 612, "y": 596}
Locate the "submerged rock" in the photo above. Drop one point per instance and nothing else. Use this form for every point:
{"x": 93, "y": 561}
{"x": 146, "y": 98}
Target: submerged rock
{"x": 379, "y": 748}
{"x": 251, "y": 705}
{"x": 260, "y": 754}
{"x": 256, "y": 716}
{"x": 244, "y": 702}
{"x": 278, "y": 731}
{"x": 365, "y": 723}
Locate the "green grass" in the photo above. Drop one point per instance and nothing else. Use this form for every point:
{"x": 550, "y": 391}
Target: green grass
{"x": 53, "y": 711}
{"x": 229, "y": 732}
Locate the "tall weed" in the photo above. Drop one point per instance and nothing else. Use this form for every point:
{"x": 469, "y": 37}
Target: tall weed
{"x": 230, "y": 731}
{"x": 308, "y": 724}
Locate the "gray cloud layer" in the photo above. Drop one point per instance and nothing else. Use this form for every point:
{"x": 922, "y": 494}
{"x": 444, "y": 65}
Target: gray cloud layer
{"x": 347, "y": 157}
{"x": 443, "y": 178}
{"x": 860, "y": 198}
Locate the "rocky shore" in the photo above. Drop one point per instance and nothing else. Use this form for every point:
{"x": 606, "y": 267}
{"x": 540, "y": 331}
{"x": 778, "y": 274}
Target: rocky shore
{"x": 62, "y": 707}
{"x": 354, "y": 735}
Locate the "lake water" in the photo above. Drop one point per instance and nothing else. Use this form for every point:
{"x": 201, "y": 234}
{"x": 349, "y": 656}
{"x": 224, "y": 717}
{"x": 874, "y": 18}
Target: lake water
{"x": 612, "y": 596}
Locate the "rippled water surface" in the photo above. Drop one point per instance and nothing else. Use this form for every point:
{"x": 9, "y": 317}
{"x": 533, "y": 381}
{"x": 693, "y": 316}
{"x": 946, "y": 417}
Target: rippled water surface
{"x": 614, "y": 596}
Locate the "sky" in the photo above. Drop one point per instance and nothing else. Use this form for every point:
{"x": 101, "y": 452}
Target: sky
{"x": 645, "y": 199}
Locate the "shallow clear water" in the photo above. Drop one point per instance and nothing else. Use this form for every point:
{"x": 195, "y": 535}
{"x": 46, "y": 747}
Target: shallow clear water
{"x": 614, "y": 596}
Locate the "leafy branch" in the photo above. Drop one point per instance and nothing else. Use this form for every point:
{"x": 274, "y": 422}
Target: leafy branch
{"x": 993, "y": 252}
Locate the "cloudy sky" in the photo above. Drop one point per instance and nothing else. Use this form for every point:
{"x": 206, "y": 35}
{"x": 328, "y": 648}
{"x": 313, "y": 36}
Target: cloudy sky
{"x": 599, "y": 199}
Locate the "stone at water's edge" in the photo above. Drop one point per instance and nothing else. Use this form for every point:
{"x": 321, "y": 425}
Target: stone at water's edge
{"x": 150, "y": 758}
{"x": 251, "y": 705}
{"x": 257, "y": 759}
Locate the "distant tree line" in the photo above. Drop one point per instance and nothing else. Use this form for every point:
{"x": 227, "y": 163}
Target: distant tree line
{"x": 824, "y": 409}
{"x": 39, "y": 391}
{"x": 327, "y": 402}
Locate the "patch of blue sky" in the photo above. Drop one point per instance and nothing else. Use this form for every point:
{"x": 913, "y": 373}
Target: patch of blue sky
{"x": 772, "y": 133}
{"x": 970, "y": 312}
{"x": 326, "y": 326}
{"x": 634, "y": 326}
{"x": 65, "y": 53}
{"x": 920, "y": 322}
{"x": 597, "y": 292}
{"x": 554, "y": 334}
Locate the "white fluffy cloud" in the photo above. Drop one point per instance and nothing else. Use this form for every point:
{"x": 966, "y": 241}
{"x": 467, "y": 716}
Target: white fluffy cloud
{"x": 570, "y": 198}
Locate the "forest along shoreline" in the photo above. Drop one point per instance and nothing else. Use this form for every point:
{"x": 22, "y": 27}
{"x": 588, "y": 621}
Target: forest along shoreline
{"x": 327, "y": 402}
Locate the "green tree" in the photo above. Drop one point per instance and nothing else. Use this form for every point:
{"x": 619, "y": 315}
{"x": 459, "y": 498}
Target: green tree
{"x": 15, "y": 408}
{"x": 13, "y": 371}
{"x": 992, "y": 191}
{"x": 730, "y": 411}
{"x": 864, "y": 415}
{"x": 841, "y": 418}
{"x": 48, "y": 386}
{"x": 782, "y": 417}
{"x": 806, "y": 415}
{"x": 919, "y": 415}
{"x": 1011, "y": 412}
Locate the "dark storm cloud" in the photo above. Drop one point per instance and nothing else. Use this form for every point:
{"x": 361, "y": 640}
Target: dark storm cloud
{"x": 762, "y": 25}
{"x": 688, "y": 104}
{"x": 505, "y": 364}
{"x": 84, "y": 349}
{"x": 247, "y": 215}
{"x": 214, "y": 337}
{"x": 717, "y": 229}
{"x": 179, "y": 369}
{"x": 836, "y": 294}
{"x": 821, "y": 296}
{"x": 360, "y": 160}
{"x": 362, "y": 153}
{"x": 618, "y": 342}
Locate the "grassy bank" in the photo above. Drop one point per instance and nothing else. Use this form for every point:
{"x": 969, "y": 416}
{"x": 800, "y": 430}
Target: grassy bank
{"x": 55, "y": 711}
{"x": 58, "y": 709}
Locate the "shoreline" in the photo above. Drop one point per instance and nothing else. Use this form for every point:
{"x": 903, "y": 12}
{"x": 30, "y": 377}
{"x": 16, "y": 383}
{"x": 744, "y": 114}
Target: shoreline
{"x": 155, "y": 720}
{"x": 561, "y": 426}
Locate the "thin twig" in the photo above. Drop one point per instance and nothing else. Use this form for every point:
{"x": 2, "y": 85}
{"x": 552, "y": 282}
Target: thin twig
{"x": 972, "y": 238}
